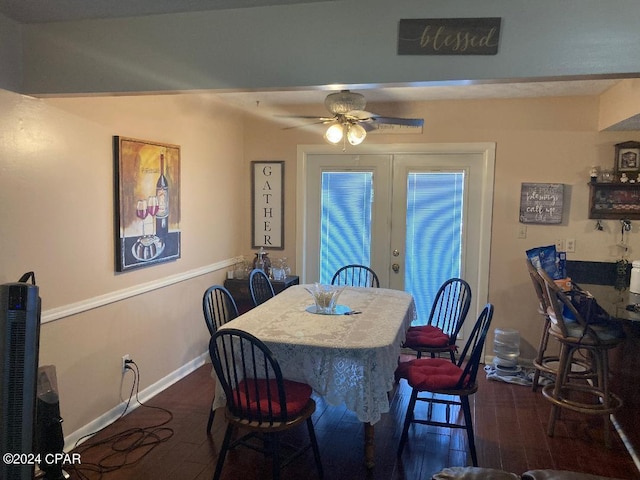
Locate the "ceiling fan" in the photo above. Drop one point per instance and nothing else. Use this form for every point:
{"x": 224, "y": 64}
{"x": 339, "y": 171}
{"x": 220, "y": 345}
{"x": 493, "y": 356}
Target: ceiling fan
{"x": 350, "y": 122}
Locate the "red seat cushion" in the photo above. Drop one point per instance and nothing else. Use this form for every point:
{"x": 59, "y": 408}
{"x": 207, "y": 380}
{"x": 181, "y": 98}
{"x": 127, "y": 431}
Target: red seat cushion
{"x": 297, "y": 395}
{"x": 430, "y": 373}
{"x": 426, "y": 336}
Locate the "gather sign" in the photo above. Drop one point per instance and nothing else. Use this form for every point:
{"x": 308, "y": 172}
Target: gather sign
{"x": 267, "y": 178}
{"x": 449, "y": 36}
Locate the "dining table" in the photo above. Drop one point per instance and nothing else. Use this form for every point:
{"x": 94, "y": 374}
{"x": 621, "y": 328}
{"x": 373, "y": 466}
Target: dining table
{"x": 348, "y": 357}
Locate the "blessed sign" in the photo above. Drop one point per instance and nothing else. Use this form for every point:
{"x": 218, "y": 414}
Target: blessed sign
{"x": 268, "y": 204}
{"x": 449, "y": 36}
{"x": 541, "y": 202}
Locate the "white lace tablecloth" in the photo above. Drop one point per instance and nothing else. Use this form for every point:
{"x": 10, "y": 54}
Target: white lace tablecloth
{"x": 346, "y": 359}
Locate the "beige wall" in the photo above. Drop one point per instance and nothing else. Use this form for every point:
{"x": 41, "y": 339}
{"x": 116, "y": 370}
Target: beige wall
{"x": 546, "y": 140}
{"x": 56, "y": 176}
{"x": 619, "y": 104}
{"x": 56, "y": 192}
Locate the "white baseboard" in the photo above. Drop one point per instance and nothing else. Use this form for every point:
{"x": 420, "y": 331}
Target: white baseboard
{"x": 144, "y": 395}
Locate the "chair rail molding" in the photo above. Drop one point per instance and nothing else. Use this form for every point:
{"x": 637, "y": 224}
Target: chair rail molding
{"x": 64, "y": 311}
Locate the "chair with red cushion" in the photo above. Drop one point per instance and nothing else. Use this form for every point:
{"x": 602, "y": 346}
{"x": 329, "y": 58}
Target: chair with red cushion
{"x": 440, "y": 376}
{"x": 448, "y": 313}
{"x": 259, "y": 399}
{"x": 218, "y": 307}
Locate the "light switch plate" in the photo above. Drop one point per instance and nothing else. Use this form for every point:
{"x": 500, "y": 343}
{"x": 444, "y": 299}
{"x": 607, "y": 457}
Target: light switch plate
{"x": 522, "y": 231}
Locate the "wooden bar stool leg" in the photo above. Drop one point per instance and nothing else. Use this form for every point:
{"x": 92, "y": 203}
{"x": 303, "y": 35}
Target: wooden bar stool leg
{"x": 544, "y": 340}
{"x": 603, "y": 380}
{"x": 565, "y": 357}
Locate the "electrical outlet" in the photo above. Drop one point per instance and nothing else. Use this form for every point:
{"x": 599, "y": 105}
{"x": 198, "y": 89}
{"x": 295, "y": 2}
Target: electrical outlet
{"x": 571, "y": 245}
{"x": 125, "y": 359}
{"x": 560, "y": 245}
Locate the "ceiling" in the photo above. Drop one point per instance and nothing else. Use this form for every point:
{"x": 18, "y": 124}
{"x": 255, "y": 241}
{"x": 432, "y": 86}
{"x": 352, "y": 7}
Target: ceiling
{"x": 440, "y": 91}
{"x": 43, "y": 11}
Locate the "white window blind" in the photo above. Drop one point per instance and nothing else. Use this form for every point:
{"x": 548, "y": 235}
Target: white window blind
{"x": 434, "y": 233}
{"x": 345, "y": 230}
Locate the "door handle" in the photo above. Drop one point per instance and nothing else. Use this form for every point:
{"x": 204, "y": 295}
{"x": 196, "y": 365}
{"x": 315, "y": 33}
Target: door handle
{"x": 395, "y": 267}
{"x": 396, "y": 252}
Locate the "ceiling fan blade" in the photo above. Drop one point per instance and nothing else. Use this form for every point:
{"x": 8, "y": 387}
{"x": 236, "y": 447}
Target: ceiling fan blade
{"x": 309, "y": 117}
{"x": 410, "y": 122}
{"x": 318, "y": 122}
{"x": 359, "y": 115}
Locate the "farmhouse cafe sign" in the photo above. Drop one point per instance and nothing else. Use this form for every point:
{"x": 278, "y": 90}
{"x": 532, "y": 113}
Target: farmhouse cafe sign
{"x": 541, "y": 202}
{"x": 449, "y": 36}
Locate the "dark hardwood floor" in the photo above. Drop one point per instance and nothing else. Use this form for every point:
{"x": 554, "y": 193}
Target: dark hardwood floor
{"x": 509, "y": 420}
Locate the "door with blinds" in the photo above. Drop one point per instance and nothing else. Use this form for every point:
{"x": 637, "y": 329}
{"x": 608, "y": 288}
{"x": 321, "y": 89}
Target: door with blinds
{"x": 417, "y": 219}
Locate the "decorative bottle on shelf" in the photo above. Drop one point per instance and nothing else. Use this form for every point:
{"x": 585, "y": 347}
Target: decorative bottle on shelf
{"x": 262, "y": 261}
{"x": 162, "y": 192}
{"x": 285, "y": 267}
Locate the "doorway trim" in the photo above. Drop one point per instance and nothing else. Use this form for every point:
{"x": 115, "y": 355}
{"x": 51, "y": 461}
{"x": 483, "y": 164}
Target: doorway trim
{"x": 487, "y": 150}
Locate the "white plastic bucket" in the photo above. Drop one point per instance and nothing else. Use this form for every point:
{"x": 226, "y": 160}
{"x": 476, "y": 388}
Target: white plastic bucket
{"x": 506, "y": 347}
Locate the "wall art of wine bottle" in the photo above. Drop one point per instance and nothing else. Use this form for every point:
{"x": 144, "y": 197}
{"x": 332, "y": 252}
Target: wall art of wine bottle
{"x": 147, "y": 202}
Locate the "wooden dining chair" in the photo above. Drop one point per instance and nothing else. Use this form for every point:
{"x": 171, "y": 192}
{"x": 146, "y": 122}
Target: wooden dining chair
{"x": 448, "y": 313}
{"x": 439, "y": 376}
{"x": 218, "y": 307}
{"x": 355, "y": 276}
{"x": 260, "y": 287}
{"x": 260, "y": 400}
{"x": 576, "y": 335}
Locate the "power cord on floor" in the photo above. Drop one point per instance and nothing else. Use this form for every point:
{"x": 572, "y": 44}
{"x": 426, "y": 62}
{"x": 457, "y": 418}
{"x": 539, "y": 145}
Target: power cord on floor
{"x": 127, "y": 447}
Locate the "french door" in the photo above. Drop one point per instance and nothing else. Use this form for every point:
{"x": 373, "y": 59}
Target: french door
{"x": 417, "y": 217}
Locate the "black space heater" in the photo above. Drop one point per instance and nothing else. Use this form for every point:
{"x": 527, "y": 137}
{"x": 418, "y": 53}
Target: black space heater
{"x": 19, "y": 341}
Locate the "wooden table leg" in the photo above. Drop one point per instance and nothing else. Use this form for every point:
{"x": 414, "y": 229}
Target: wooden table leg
{"x": 369, "y": 446}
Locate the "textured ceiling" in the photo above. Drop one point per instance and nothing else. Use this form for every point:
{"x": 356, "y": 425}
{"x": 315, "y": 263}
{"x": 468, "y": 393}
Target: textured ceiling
{"x": 266, "y": 103}
{"x": 452, "y": 91}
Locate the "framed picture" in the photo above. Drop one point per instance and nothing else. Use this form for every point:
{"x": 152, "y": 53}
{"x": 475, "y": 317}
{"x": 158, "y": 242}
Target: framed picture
{"x": 541, "y": 203}
{"x": 147, "y": 202}
{"x": 267, "y": 202}
{"x": 627, "y": 159}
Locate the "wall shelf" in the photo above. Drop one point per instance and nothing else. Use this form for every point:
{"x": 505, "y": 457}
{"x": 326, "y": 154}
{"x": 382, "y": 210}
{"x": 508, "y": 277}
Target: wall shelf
{"x": 614, "y": 201}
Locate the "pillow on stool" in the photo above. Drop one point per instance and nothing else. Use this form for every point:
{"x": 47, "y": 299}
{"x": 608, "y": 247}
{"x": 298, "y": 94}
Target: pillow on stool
{"x": 560, "y": 475}
{"x": 474, "y": 473}
{"x": 426, "y": 336}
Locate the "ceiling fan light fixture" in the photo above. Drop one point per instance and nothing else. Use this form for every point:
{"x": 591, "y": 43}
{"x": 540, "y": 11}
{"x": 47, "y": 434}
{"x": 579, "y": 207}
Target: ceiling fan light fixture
{"x": 343, "y": 102}
{"x": 334, "y": 133}
{"x": 356, "y": 134}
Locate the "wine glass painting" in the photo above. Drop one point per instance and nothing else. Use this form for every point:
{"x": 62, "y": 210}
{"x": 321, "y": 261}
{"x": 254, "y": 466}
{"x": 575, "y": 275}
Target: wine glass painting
{"x": 141, "y": 212}
{"x": 152, "y": 208}
{"x": 147, "y": 202}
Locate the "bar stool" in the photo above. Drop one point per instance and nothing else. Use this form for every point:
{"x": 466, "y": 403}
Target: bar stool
{"x": 544, "y": 362}
{"x": 575, "y": 334}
